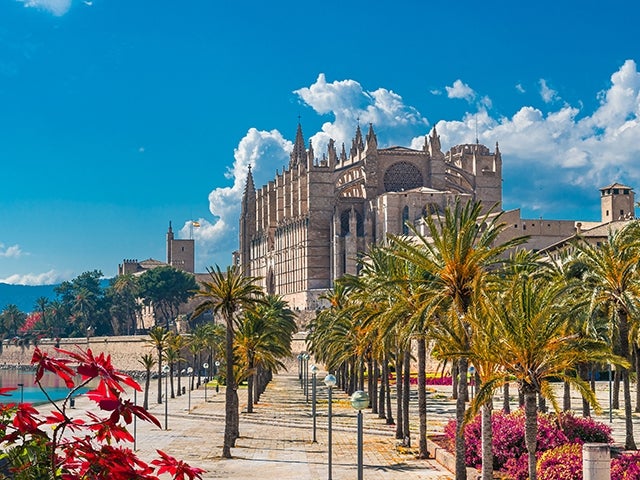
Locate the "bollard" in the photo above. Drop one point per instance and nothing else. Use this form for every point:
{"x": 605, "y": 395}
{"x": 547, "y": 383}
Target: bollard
{"x": 596, "y": 461}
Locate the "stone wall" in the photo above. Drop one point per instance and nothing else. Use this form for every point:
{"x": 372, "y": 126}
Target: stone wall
{"x": 125, "y": 351}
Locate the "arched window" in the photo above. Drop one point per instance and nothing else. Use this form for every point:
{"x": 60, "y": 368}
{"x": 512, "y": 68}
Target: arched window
{"x": 344, "y": 223}
{"x": 402, "y": 176}
{"x": 405, "y": 219}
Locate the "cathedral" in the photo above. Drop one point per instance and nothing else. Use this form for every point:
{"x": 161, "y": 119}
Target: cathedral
{"x": 307, "y": 226}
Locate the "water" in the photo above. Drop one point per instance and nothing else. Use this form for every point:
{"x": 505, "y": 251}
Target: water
{"x": 29, "y": 392}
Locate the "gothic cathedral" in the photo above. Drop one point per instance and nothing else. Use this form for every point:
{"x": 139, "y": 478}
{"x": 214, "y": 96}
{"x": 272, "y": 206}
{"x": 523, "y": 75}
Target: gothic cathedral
{"x": 306, "y": 227}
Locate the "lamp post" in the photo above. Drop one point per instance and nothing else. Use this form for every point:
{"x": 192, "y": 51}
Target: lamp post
{"x": 306, "y": 376}
{"x": 190, "y": 373}
{"x": 330, "y": 382}
{"x": 314, "y": 371}
{"x": 359, "y": 400}
{"x": 206, "y": 379}
{"x": 165, "y": 370}
{"x": 300, "y": 368}
{"x": 217, "y": 364}
{"x": 21, "y": 385}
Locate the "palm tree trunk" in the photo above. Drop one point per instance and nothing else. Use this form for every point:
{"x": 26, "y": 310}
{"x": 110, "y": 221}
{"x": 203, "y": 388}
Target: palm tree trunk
{"x": 423, "y": 452}
{"x": 372, "y": 368}
{"x": 179, "y": 378}
{"x": 487, "y": 441}
{"x": 461, "y": 468}
{"x": 566, "y": 397}
{"x": 387, "y": 382}
{"x": 399, "y": 394}
{"x": 173, "y": 393}
{"x": 530, "y": 428}
{"x": 637, "y": 365}
{"x": 147, "y": 381}
{"x": 230, "y": 404}
{"x": 506, "y": 406}
{"x": 629, "y": 442}
{"x": 250, "y": 382}
{"x": 454, "y": 380}
{"x": 382, "y": 393}
{"x": 406, "y": 396}
{"x": 159, "y": 375}
{"x": 615, "y": 399}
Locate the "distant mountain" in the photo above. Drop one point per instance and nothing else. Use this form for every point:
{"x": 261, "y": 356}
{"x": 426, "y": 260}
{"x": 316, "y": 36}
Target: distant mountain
{"x": 25, "y": 296}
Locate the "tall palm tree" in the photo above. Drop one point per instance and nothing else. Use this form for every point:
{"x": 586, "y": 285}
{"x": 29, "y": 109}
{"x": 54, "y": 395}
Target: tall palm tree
{"x": 147, "y": 361}
{"x": 227, "y": 294}
{"x": 611, "y": 278}
{"x": 459, "y": 253}
{"x": 159, "y": 337}
{"x": 533, "y": 343}
{"x": 263, "y": 338}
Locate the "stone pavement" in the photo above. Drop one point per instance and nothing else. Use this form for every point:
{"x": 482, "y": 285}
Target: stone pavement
{"x": 277, "y": 439}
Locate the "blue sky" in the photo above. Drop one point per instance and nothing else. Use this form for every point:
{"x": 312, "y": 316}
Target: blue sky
{"x": 118, "y": 116}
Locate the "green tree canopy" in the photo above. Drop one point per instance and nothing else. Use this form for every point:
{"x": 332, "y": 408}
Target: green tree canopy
{"x": 165, "y": 289}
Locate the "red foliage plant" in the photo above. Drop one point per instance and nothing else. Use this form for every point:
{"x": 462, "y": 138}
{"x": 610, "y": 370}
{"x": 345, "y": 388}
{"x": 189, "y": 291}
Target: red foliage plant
{"x": 59, "y": 446}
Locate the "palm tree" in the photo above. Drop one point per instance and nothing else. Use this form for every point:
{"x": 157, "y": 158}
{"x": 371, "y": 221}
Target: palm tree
{"x": 460, "y": 252}
{"x": 264, "y": 338}
{"x": 227, "y": 294}
{"x": 533, "y": 343}
{"x": 612, "y": 282}
{"x": 147, "y": 361}
{"x": 159, "y": 336}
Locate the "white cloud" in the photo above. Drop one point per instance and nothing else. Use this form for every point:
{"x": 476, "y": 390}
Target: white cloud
{"x": 216, "y": 238}
{"x": 56, "y": 7}
{"x": 459, "y": 89}
{"x": 520, "y": 88}
{"x": 48, "y": 278}
{"x": 14, "y": 251}
{"x": 551, "y": 156}
{"x": 547, "y": 93}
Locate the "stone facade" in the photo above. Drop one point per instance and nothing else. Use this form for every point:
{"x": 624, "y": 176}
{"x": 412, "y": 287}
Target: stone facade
{"x": 307, "y": 226}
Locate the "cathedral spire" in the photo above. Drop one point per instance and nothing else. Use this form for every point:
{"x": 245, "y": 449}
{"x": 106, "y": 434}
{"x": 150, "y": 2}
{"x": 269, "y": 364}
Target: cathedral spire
{"x": 299, "y": 152}
{"x": 249, "y": 185}
{"x": 372, "y": 140}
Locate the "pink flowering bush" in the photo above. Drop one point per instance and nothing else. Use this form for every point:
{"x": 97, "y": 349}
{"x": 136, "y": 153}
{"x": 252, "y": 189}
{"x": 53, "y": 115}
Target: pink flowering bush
{"x": 509, "y": 449}
{"x": 626, "y": 467}
{"x": 561, "y": 463}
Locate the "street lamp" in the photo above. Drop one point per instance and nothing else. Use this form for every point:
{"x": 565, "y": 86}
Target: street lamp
{"x": 300, "y": 368}
{"x": 217, "y": 364}
{"x": 165, "y": 370}
{"x": 306, "y": 357}
{"x": 359, "y": 400}
{"x": 190, "y": 373}
{"x": 330, "y": 382}
{"x": 314, "y": 370}
{"x": 206, "y": 379}
{"x": 21, "y": 385}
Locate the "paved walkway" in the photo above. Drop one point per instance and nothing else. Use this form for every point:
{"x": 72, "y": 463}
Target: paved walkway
{"x": 277, "y": 439}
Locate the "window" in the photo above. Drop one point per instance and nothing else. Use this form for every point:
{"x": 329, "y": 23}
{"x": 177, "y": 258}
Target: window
{"x": 405, "y": 219}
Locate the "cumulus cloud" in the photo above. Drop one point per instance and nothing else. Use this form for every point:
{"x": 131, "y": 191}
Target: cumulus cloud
{"x": 552, "y": 156}
{"x": 555, "y": 157}
{"x": 14, "y": 251}
{"x": 547, "y": 93}
{"x": 265, "y": 152}
{"x": 459, "y": 89}
{"x": 47, "y": 278}
{"x": 56, "y": 7}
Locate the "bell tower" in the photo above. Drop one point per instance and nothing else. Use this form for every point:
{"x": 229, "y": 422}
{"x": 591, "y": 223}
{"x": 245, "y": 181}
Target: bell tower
{"x": 617, "y": 203}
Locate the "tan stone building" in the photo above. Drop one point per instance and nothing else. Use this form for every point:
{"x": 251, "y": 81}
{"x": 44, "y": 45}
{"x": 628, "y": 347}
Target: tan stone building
{"x": 307, "y": 226}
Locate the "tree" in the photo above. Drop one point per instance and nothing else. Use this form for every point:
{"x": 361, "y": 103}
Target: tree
{"x": 165, "y": 289}
{"x": 263, "y": 339}
{"x": 12, "y": 319}
{"x": 82, "y": 300}
{"x": 159, "y": 338}
{"x": 87, "y": 446}
{"x": 123, "y": 293}
{"x": 611, "y": 279}
{"x": 534, "y": 343}
{"x": 147, "y": 361}
{"x": 461, "y": 250}
{"x": 227, "y": 294}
